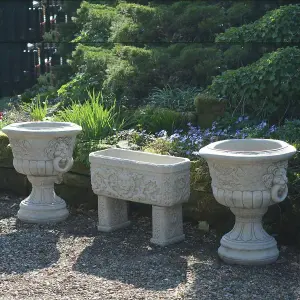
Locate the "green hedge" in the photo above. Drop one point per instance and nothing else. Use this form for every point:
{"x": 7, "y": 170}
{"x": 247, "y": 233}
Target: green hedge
{"x": 268, "y": 88}
{"x": 137, "y": 46}
{"x": 279, "y": 25}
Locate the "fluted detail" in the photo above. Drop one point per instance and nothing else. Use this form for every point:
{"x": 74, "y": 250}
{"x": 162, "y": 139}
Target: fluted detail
{"x": 242, "y": 199}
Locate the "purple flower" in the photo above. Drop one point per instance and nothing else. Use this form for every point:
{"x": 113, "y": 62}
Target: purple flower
{"x": 239, "y": 120}
{"x": 262, "y": 125}
{"x": 162, "y": 133}
{"x": 237, "y": 132}
{"x": 272, "y": 128}
{"x": 174, "y": 136}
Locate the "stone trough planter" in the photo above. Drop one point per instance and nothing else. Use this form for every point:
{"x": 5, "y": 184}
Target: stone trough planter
{"x": 248, "y": 176}
{"x": 123, "y": 175}
{"x": 43, "y": 152}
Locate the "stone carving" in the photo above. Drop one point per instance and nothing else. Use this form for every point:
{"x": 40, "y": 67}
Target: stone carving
{"x": 136, "y": 186}
{"x": 43, "y": 152}
{"x": 20, "y": 147}
{"x": 119, "y": 175}
{"x": 60, "y": 150}
{"x": 276, "y": 180}
{"x": 248, "y": 182}
{"x": 60, "y": 147}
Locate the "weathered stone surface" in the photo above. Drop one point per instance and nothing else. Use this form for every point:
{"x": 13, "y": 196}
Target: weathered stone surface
{"x": 42, "y": 151}
{"x": 248, "y": 176}
{"x": 119, "y": 175}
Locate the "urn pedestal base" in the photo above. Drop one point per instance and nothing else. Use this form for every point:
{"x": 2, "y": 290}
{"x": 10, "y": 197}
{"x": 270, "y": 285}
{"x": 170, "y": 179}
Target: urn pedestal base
{"x": 42, "y": 205}
{"x": 248, "y": 243}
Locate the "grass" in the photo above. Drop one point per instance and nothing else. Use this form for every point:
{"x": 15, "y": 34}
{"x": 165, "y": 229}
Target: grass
{"x": 96, "y": 120}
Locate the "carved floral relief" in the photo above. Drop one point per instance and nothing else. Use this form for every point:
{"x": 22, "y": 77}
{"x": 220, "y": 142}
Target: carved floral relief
{"x": 136, "y": 186}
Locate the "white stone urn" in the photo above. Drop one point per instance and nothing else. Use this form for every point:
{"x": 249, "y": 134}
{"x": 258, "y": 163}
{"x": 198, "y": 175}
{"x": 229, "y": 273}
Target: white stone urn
{"x": 248, "y": 176}
{"x": 42, "y": 151}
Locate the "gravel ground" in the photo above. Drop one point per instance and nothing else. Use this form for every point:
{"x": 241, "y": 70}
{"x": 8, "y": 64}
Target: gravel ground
{"x": 73, "y": 260}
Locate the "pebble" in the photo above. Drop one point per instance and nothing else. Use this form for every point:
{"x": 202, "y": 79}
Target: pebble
{"x": 72, "y": 260}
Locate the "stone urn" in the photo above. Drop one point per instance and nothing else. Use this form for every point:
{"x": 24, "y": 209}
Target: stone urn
{"x": 248, "y": 176}
{"x": 43, "y": 152}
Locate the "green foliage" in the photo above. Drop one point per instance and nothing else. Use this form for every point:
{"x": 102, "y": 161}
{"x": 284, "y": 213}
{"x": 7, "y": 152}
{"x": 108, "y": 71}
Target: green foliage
{"x": 84, "y": 148}
{"x": 154, "y": 119}
{"x": 96, "y": 120}
{"x": 130, "y": 22}
{"x": 268, "y": 88}
{"x": 208, "y": 109}
{"x": 95, "y": 21}
{"x": 280, "y": 25}
{"x": 131, "y": 72}
{"x": 159, "y": 146}
{"x": 289, "y": 132}
{"x": 139, "y": 46}
{"x": 174, "y": 98}
{"x": 237, "y": 56}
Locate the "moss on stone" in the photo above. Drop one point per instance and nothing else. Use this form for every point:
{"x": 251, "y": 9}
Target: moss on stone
{"x": 6, "y": 157}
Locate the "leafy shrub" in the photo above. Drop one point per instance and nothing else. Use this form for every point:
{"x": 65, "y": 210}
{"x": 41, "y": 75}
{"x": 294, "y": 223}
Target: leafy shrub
{"x": 173, "y": 98}
{"x": 289, "y": 131}
{"x": 96, "y": 120}
{"x": 84, "y": 148}
{"x": 138, "y": 47}
{"x": 154, "y": 119}
{"x": 279, "y": 25}
{"x": 208, "y": 109}
{"x": 268, "y": 88}
{"x": 95, "y": 21}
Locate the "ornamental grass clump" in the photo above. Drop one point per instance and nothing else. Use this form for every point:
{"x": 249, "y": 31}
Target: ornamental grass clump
{"x": 96, "y": 120}
{"x": 37, "y": 110}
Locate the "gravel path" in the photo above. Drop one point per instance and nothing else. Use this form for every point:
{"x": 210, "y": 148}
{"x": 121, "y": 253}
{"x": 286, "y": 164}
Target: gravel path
{"x": 73, "y": 260}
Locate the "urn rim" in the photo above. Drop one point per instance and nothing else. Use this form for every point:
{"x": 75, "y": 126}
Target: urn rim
{"x": 248, "y": 150}
{"x": 43, "y": 128}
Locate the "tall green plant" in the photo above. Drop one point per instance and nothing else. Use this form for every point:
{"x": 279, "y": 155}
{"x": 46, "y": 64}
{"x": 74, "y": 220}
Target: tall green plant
{"x": 96, "y": 120}
{"x": 174, "y": 98}
{"x": 36, "y": 109}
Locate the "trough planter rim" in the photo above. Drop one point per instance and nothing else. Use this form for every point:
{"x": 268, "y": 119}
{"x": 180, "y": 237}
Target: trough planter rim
{"x": 103, "y": 157}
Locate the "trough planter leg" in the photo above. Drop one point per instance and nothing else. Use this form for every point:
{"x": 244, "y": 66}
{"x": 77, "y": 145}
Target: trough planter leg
{"x": 248, "y": 243}
{"x": 112, "y": 214}
{"x": 42, "y": 205}
{"x": 167, "y": 227}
